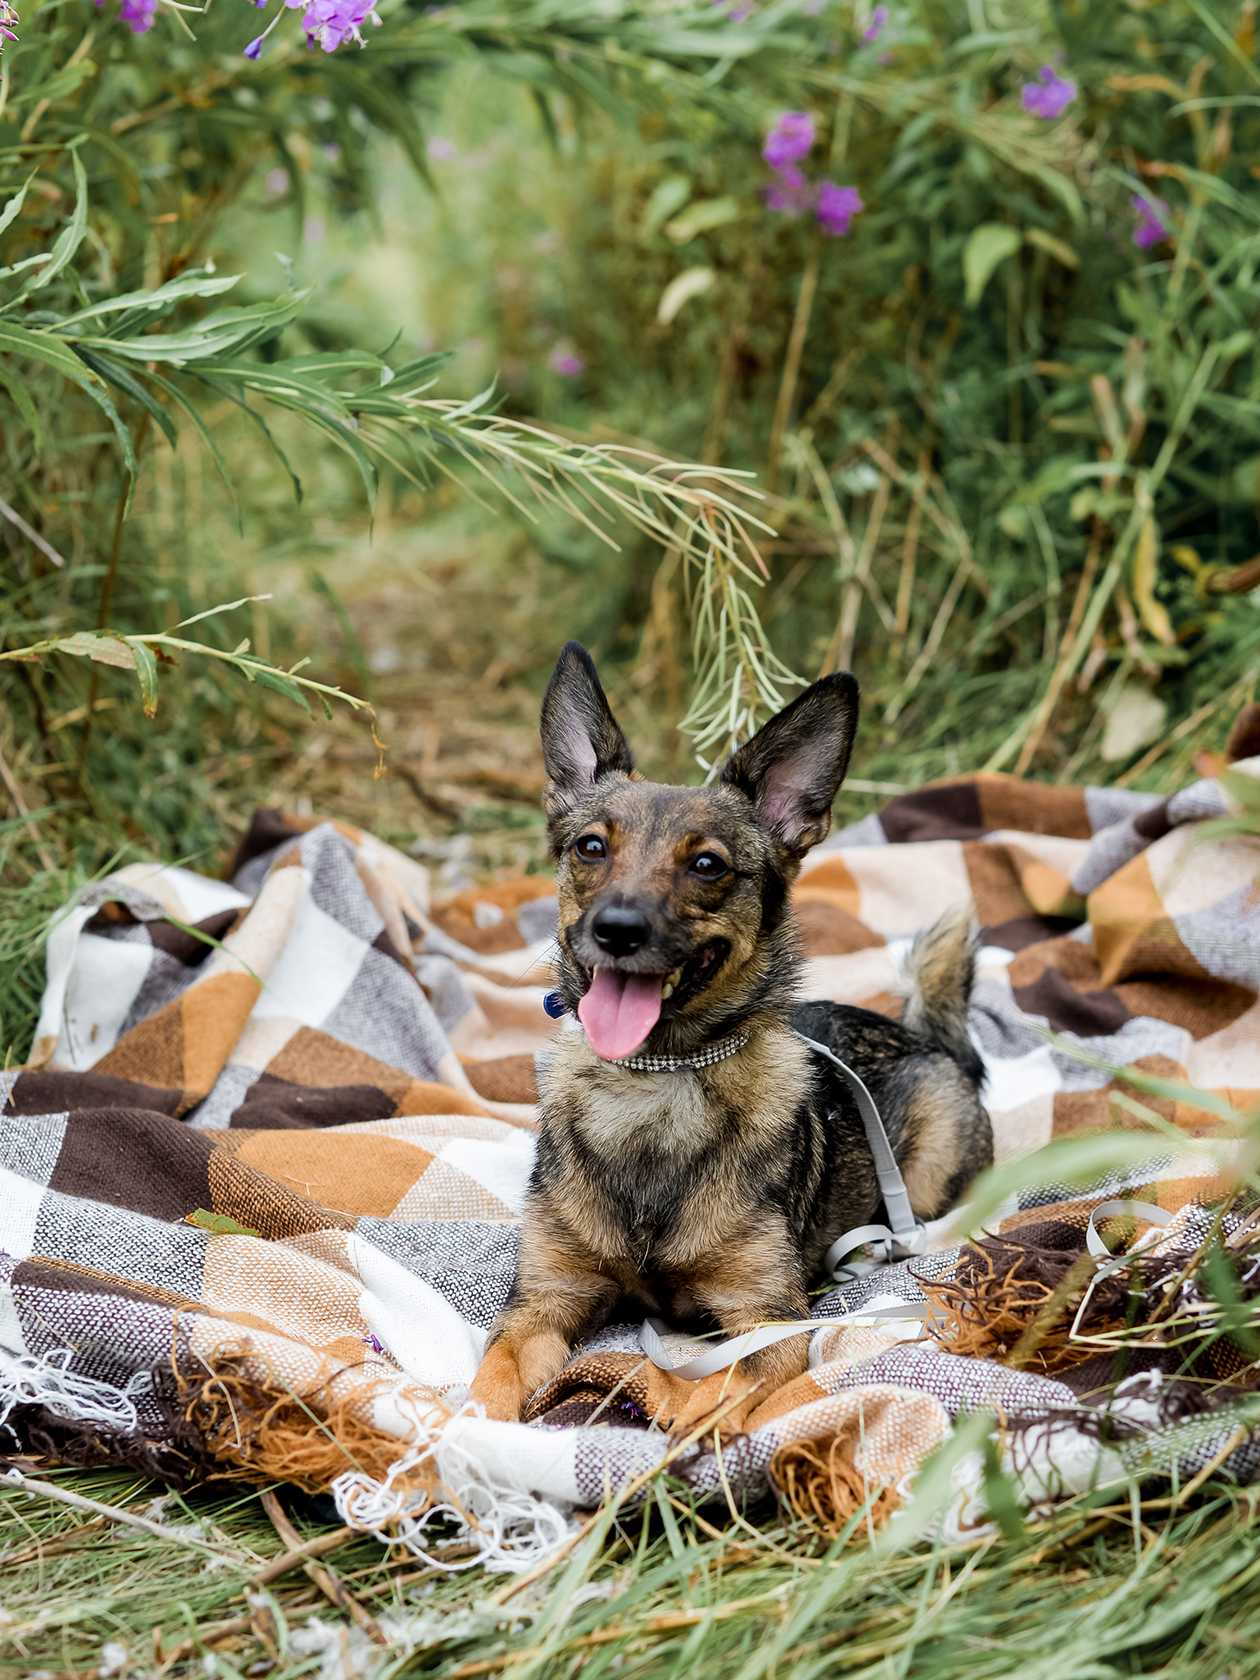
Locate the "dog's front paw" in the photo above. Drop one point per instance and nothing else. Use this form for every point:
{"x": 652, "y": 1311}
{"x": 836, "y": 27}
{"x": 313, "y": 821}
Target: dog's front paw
{"x": 727, "y": 1398}
{"x": 498, "y": 1386}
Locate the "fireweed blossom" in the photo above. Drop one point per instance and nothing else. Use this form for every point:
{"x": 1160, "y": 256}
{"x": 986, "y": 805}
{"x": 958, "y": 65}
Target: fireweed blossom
{"x": 1153, "y": 224}
{"x": 791, "y": 139}
{"x": 8, "y": 22}
{"x": 136, "y": 14}
{"x": 327, "y": 23}
{"x": 875, "y": 28}
{"x": 837, "y": 207}
{"x": 1049, "y": 96}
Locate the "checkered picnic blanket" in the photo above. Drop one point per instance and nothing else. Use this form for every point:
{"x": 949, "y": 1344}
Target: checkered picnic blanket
{"x": 261, "y": 1179}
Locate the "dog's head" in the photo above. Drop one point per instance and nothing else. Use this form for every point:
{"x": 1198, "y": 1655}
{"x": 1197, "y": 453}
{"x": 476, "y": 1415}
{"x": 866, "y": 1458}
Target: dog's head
{"x": 673, "y": 900}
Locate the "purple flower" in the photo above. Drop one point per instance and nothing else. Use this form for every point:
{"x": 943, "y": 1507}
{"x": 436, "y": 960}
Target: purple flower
{"x": 875, "y": 28}
{"x": 789, "y": 139}
{"x": 254, "y": 47}
{"x": 136, "y": 14}
{"x": 1152, "y": 221}
{"x": 331, "y": 23}
{"x": 566, "y": 363}
{"x": 837, "y": 207}
{"x": 1049, "y": 96}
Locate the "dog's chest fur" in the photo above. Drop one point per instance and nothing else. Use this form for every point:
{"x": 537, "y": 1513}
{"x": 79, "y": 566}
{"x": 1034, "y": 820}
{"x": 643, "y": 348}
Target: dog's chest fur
{"x": 664, "y": 1160}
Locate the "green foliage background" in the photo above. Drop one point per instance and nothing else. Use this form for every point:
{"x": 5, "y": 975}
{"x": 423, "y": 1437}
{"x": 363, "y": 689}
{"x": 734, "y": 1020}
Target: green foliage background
{"x": 1009, "y": 460}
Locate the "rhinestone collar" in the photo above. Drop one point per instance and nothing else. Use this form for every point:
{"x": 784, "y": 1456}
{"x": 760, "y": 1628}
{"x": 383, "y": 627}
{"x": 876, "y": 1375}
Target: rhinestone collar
{"x": 683, "y": 1064}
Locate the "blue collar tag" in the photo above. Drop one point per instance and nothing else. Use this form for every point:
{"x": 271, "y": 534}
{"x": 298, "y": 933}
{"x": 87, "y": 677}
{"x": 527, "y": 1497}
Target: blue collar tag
{"x": 555, "y": 1005}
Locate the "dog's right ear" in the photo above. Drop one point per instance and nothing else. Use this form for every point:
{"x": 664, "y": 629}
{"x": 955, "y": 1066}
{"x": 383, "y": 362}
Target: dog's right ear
{"x": 792, "y": 768}
{"x": 581, "y": 739}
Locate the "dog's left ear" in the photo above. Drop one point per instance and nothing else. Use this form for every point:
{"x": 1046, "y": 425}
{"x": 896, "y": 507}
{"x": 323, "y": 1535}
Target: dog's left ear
{"x": 793, "y": 766}
{"x": 581, "y": 739}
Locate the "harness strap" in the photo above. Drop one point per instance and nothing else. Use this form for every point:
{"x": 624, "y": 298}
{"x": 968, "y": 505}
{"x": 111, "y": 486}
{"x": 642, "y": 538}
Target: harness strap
{"x": 904, "y": 1230}
{"x": 726, "y": 1354}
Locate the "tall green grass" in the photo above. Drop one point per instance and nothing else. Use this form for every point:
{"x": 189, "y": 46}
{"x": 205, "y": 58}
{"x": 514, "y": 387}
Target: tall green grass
{"x": 1100, "y": 1590}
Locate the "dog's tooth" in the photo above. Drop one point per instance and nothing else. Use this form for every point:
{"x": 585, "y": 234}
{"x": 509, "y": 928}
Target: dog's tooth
{"x": 673, "y": 978}
{"x": 667, "y": 990}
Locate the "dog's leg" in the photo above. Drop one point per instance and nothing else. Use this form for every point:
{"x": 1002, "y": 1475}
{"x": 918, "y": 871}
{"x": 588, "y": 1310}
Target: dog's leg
{"x": 532, "y": 1335}
{"x": 758, "y": 1283}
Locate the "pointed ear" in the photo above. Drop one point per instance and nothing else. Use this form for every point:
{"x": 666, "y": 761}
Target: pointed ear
{"x": 793, "y": 767}
{"x": 581, "y": 740}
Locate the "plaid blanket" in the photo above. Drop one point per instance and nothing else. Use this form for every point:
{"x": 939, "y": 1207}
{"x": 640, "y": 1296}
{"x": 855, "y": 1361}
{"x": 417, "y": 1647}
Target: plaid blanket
{"x": 261, "y": 1178}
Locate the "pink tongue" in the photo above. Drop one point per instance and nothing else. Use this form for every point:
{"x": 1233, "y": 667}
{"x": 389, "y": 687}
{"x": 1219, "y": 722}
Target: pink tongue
{"x": 619, "y": 1011}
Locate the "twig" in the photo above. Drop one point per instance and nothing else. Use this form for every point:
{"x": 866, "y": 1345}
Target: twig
{"x": 23, "y": 810}
{"x": 839, "y": 656}
{"x": 791, "y": 368}
{"x": 909, "y": 554}
{"x": 115, "y": 1513}
{"x": 15, "y": 518}
{"x": 67, "y": 1542}
{"x": 323, "y": 1577}
{"x": 204, "y": 1636}
{"x": 300, "y": 1553}
{"x": 939, "y": 625}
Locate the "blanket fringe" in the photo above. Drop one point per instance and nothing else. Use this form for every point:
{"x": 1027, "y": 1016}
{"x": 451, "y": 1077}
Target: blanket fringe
{"x": 267, "y": 1433}
{"x": 511, "y": 1529}
{"x": 824, "y": 1486}
{"x": 999, "y": 1290}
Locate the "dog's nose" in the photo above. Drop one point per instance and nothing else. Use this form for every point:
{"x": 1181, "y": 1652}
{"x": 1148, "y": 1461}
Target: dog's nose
{"x": 620, "y": 930}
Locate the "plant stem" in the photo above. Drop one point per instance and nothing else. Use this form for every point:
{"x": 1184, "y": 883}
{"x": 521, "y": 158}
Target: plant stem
{"x": 791, "y": 368}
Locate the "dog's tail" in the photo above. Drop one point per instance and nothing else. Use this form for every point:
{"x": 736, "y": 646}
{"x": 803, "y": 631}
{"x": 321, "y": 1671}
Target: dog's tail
{"x": 940, "y": 972}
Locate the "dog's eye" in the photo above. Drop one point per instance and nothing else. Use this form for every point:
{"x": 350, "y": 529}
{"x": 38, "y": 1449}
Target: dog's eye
{"x": 590, "y": 848}
{"x": 708, "y": 865}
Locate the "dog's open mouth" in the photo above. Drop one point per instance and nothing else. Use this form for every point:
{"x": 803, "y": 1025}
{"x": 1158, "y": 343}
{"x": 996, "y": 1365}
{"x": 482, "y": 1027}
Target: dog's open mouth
{"x": 619, "y": 1009}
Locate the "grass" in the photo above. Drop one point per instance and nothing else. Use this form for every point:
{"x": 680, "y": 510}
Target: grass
{"x": 1098, "y": 1590}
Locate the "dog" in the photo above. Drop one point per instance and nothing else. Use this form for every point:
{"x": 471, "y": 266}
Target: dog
{"x": 710, "y": 1192}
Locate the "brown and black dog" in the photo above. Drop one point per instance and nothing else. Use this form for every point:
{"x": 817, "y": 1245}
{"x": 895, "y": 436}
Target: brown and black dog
{"x": 710, "y": 1193}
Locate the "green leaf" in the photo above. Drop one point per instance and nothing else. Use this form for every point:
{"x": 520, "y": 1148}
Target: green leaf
{"x": 14, "y": 205}
{"x": 230, "y": 390}
{"x": 58, "y": 355}
{"x": 234, "y": 329}
{"x": 105, "y": 650}
{"x": 987, "y": 246}
{"x": 1058, "y": 248}
{"x": 335, "y": 362}
{"x": 195, "y": 283}
{"x": 70, "y": 238}
{"x": 418, "y": 374}
{"x": 281, "y": 381}
{"x": 681, "y": 289}
{"x": 135, "y": 390}
{"x": 146, "y": 670}
{"x": 668, "y": 196}
{"x": 25, "y": 407}
{"x": 266, "y": 676}
{"x": 191, "y": 410}
{"x": 219, "y": 1224}
{"x": 708, "y": 213}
